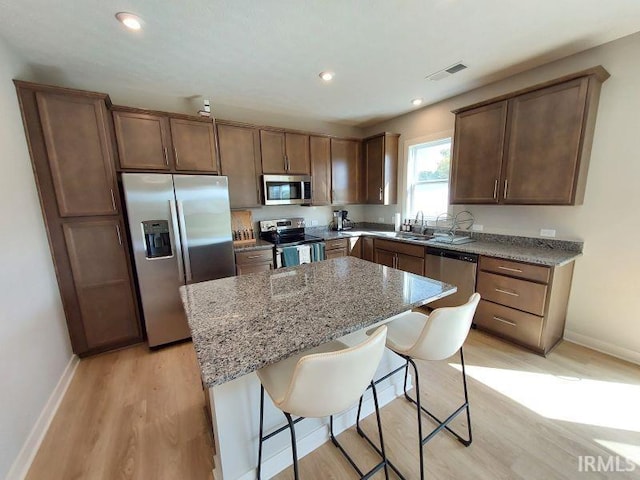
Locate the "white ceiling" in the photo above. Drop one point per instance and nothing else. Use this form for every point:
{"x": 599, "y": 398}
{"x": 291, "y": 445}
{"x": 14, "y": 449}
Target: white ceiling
{"x": 266, "y": 54}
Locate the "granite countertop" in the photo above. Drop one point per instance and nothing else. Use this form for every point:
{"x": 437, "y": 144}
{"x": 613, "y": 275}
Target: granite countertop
{"x": 547, "y": 252}
{"x": 240, "y": 324}
{"x": 259, "y": 245}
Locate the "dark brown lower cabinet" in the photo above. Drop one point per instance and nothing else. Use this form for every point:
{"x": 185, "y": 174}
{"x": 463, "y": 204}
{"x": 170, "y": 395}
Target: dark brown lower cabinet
{"x": 102, "y": 280}
{"x": 254, "y": 261}
{"x": 336, "y": 248}
{"x": 403, "y": 256}
{"x": 367, "y": 249}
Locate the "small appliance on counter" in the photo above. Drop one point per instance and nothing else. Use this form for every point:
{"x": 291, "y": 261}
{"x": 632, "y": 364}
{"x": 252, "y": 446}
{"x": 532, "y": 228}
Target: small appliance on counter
{"x": 340, "y": 221}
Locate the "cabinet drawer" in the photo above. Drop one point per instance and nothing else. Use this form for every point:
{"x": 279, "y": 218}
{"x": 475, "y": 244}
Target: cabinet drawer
{"x": 507, "y": 322}
{"x": 337, "y": 244}
{"x": 520, "y": 294}
{"x": 254, "y": 256}
{"x": 537, "y": 273}
{"x": 400, "y": 247}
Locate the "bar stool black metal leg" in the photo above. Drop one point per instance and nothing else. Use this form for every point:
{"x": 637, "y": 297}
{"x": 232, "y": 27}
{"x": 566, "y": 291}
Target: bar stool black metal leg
{"x": 384, "y": 454}
{"x": 466, "y": 400}
{"x": 293, "y": 446}
{"x": 406, "y": 376}
{"x": 261, "y": 427}
{"x": 419, "y": 410}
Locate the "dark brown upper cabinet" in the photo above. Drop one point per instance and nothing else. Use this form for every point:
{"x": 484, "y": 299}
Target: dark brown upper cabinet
{"x": 239, "y": 150}
{"x": 320, "y": 149}
{"x": 75, "y": 133}
{"x": 194, "y": 145}
{"x": 72, "y": 148}
{"x": 143, "y": 140}
{"x": 346, "y": 172}
{"x": 285, "y": 153}
{"x": 381, "y": 169}
{"x": 157, "y": 141}
{"x": 530, "y": 147}
{"x": 477, "y": 154}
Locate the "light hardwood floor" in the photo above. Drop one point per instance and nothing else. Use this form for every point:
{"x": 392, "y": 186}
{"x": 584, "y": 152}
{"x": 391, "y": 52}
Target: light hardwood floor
{"x": 136, "y": 414}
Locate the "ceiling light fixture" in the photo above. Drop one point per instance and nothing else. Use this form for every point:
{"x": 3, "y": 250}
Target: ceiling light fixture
{"x": 129, "y": 20}
{"x": 326, "y": 76}
{"x": 417, "y": 101}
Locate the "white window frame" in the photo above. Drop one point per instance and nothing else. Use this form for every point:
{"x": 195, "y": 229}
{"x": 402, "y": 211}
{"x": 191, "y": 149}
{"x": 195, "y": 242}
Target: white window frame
{"x": 406, "y": 183}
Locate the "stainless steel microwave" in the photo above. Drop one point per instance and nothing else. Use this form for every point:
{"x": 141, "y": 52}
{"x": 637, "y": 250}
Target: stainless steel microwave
{"x": 287, "y": 189}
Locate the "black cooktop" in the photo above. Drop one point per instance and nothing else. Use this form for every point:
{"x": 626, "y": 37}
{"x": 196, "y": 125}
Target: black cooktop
{"x": 289, "y": 239}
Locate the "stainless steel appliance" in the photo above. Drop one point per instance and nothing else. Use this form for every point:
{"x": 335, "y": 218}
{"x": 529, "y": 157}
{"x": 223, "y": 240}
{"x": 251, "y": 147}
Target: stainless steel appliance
{"x": 455, "y": 268}
{"x": 180, "y": 229}
{"x": 287, "y": 189}
{"x": 340, "y": 220}
{"x": 289, "y": 232}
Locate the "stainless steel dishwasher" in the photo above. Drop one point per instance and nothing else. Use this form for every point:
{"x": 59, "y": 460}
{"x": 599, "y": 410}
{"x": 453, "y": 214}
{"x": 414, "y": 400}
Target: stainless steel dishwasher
{"x": 455, "y": 268}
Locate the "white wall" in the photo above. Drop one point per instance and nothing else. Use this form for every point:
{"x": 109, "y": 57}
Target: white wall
{"x": 34, "y": 343}
{"x": 604, "y": 309}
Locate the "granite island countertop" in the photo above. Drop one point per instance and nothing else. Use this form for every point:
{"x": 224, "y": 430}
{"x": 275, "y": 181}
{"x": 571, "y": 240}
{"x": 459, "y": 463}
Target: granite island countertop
{"x": 240, "y": 324}
{"x": 548, "y": 252}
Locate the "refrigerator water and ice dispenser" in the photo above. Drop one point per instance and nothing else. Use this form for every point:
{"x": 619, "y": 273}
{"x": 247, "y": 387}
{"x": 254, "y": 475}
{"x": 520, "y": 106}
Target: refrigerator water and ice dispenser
{"x": 156, "y": 238}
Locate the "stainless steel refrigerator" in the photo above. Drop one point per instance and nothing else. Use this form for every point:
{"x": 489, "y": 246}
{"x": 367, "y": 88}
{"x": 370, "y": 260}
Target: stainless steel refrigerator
{"x": 181, "y": 233}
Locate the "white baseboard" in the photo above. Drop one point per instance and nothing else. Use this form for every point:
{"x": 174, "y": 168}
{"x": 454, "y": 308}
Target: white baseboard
{"x": 603, "y": 347}
{"x": 22, "y": 463}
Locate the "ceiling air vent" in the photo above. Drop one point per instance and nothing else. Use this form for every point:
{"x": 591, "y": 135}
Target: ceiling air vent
{"x": 447, "y": 72}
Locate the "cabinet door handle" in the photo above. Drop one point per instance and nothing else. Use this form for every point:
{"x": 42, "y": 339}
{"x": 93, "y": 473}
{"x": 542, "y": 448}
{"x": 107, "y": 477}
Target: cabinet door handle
{"x": 284, "y": 161}
{"x": 113, "y": 200}
{"x": 166, "y": 157}
{"x": 254, "y": 256}
{"x": 508, "y": 269}
{"x": 380, "y": 194}
{"x": 495, "y": 189}
{"x": 506, "y": 292}
{"x": 498, "y": 319}
{"x": 175, "y": 152}
{"x": 119, "y": 235}
{"x": 506, "y": 184}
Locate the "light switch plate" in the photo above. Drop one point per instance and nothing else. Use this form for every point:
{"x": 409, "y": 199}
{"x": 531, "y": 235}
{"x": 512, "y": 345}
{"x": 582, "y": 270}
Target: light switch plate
{"x": 314, "y": 223}
{"x": 381, "y": 219}
{"x": 547, "y": 232}
{"x": 477, "y": 228}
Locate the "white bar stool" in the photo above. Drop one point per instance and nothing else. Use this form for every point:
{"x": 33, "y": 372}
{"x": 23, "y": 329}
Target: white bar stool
{"x": 415, "y": 336}
{"x": 323, "y": 382}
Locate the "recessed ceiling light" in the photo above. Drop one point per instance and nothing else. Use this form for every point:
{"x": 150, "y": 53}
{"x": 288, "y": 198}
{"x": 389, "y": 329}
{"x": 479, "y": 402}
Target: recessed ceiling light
{"x": 326, "y": 76}
{"x": 417, "y": 101}
{"x": 129, "y": 20}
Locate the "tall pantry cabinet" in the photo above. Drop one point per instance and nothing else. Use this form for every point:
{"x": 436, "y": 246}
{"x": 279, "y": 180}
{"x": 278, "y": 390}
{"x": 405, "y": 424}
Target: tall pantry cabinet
{"x": 71, "y": 143}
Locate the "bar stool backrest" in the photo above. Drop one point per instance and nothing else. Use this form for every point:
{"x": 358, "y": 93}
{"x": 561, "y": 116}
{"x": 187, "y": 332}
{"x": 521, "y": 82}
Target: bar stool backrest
{"x": 328, "y": 383}
{"x": 445, "y": 331}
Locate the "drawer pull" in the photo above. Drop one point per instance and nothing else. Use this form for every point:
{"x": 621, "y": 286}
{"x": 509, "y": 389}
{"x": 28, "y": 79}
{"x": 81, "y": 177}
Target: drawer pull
{"x": 255, "y": 256}
{"x": 502, "y": 320}
{"x": 506, "y": 292}
{"x": 517, "y": 270}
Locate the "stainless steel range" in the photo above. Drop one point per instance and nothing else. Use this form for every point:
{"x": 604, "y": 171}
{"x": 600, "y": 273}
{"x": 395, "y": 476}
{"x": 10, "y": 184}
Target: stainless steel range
{"x": 293, "y": 245}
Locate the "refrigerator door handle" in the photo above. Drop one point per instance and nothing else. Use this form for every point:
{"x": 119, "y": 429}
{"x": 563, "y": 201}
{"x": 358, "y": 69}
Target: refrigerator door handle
{"x": 183, "y": 240}
{"x": 176, "y": 236}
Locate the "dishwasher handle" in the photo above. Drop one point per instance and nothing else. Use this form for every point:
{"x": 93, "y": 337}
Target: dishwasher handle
{"x": 442, "y": 252}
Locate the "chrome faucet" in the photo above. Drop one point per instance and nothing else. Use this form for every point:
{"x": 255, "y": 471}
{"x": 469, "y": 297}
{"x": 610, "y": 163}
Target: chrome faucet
{"x": 420, "y": 214}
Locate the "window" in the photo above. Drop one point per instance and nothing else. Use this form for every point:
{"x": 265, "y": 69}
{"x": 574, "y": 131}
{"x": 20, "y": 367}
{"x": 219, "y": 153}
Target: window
{"x": 428, "y": 178}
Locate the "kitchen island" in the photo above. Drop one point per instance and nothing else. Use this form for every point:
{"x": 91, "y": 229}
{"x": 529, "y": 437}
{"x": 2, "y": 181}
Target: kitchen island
{"x": 241, "y": 324}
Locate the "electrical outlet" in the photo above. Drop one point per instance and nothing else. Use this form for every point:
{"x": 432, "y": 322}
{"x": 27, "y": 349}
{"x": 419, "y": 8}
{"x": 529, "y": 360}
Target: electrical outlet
{"x": 547, "y": 232}
{"x": 381, "y": 219}
{"x": 314, "y": 223}
{"x": 477, "y": 228}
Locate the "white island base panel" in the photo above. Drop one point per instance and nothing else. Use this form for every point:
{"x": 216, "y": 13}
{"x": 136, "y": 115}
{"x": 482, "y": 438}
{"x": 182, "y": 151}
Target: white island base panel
{"x": 235, "y": 411}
